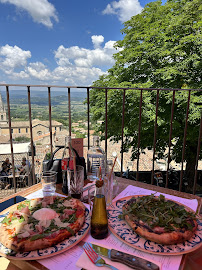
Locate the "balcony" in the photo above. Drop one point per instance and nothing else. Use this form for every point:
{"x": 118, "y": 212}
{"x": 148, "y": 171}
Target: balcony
{"x": 137, "y": 169}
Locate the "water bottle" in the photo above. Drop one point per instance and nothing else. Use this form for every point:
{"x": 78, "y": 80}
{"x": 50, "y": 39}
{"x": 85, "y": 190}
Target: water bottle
{"x": 95, "y": 159}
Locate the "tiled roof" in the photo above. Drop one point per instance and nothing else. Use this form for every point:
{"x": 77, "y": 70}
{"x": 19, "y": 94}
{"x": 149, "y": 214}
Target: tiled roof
{"x": 37, "y": 138}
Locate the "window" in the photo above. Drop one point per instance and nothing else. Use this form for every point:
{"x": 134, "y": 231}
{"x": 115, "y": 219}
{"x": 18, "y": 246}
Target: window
{"x": 55, "y": 128}
{"x": 26, "y": 130}
{"x": 12, "y": 130}
{"x": 2, "y": 117}
{"x": 19, "y": 131}
{"x": 60, "y": 128}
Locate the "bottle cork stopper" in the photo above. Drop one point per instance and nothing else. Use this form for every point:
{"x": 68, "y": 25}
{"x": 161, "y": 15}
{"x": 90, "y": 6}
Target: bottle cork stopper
{"x": 99, "y": 183}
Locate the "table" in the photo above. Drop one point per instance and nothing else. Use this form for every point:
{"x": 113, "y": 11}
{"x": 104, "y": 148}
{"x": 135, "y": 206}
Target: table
{"x": 190, "y": 261}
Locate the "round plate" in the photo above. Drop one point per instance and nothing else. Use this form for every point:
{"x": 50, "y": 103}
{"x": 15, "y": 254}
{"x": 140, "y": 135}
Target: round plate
{"x": 123, "y": 231}
{"x": 46, "y": 252}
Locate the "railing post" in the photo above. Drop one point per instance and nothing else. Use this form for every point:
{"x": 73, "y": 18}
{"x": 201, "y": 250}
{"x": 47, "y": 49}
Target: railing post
{"x": 184, "y": 140}
{"x": 106, "y": 119}
{"x": 197, "y": 156}
{"x": 50, "y": 122}
{"x": 122, "y": 129}
{"x": 31, "y": 135}
{"x": 170, "y": 136}
{"x": 69, "y": 107}
{"x": 88, "y": 112}
{"x": 139, "y": 136}
{"x": 154, "y": 143}
{"x": 11, "y": 139}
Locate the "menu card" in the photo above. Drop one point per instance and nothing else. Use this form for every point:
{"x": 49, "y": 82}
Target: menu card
{"x": 68, "y": 259}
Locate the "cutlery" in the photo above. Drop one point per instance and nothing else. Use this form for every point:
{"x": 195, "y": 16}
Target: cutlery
{"x": 95, "y": 258}
{"x": 127, "y": 259}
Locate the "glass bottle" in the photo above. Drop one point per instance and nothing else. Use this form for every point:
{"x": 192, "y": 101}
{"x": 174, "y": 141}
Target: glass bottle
{"x": 99, "y": 222}
{"x": 65, "y": 163}
{"x": 95, "y": 159}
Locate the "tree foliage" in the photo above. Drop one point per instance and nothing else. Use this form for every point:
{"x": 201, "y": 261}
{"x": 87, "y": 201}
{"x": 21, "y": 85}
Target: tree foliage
{"x": 22, "y": 139}
{"x": 160, "y": 49}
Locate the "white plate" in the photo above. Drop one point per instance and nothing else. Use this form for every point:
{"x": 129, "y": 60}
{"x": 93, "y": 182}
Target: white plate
{"x": 47, "y": 252}
{"x": 123, "y": 231}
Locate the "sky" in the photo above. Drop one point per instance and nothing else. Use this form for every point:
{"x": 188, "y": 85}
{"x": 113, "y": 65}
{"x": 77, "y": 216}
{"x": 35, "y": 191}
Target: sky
{"x": 60, "y": 42}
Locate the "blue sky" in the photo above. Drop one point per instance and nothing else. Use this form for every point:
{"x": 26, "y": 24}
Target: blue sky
{"x": 59, "y": 41}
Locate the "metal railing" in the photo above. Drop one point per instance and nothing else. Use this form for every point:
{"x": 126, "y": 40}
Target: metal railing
{"x": 141, "y": 90}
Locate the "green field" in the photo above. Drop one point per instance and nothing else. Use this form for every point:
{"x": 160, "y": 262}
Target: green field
{"x": 40, "y": 109}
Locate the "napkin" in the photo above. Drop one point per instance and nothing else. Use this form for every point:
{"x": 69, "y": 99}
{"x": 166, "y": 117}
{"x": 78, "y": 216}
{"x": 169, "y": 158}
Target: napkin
{"x": 85, "y": 262}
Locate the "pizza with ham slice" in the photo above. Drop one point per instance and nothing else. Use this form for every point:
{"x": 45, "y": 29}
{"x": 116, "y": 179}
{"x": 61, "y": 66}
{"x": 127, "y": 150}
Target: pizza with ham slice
{"x": 159, "y": 220}
{"x": 41, "y": 223}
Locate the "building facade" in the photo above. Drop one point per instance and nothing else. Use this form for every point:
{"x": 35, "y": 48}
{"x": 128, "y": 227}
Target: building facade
{"x": 2, "y": 111}
{"x": 40, "y": 128}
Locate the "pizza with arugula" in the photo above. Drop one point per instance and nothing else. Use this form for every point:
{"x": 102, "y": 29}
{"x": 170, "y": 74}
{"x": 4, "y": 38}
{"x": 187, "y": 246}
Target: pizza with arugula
{"x": 41, "y": 223}
{"x": 159, "y": 220}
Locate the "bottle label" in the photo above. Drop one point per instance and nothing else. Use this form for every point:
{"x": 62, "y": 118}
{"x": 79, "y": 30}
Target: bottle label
{"x": 64, "y": 163}
{"x": 71, "y": 165}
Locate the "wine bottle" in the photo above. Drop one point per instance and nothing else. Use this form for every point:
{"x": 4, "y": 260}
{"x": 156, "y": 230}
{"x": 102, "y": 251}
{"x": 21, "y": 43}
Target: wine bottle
{"x": 99, "y": 222}
{"x": 65, "y": 163}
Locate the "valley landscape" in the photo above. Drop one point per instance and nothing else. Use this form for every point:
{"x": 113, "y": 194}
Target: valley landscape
{"x": 40, "y": 109}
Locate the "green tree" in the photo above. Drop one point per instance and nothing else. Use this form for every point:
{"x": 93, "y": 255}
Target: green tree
{"x": 22, "y": 139}
{"x": 160, "y": 49}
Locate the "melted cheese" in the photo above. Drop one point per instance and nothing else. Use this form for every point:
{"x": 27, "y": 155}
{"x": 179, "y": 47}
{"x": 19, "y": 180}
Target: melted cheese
{"x": 60, "y": 224}
{"x": 33, "y": 203}
{"x": 45, "y": 223}
{"x": 70, "y": 203}
{"x": 45, "y": 214}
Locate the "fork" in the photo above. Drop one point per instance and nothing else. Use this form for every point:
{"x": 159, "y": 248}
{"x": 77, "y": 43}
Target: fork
{"x": 95, "y": 258}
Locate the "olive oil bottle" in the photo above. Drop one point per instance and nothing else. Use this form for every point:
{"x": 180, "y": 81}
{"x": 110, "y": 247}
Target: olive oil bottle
{"x": 99, "y": 222}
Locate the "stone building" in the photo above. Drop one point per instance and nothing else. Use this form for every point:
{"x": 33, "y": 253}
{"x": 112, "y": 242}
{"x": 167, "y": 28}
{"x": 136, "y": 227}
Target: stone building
{"x": 40, "y": 129}
{"x": 2, "y": 111}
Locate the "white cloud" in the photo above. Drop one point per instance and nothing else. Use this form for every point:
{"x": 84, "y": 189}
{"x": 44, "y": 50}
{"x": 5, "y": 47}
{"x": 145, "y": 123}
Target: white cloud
{"x": 41, "y": 11}
{"x": 76, "y": 75}
{"x": 83, "y": 66}
{"x": 75, "y": 65}
{"x": 97, "y": 41}
{"x": 39, "y": 71}
{"x": 124, "y": 9}
{"x": 81, "y": 57}
{"x": 13, "y": 57}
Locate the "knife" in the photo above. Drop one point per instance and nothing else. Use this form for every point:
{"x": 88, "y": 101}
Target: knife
{"x": 125, "y": 258}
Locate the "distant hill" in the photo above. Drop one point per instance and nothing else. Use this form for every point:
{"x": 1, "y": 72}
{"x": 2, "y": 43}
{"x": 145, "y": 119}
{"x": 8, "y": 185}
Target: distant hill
{"x": 41, "y": 97}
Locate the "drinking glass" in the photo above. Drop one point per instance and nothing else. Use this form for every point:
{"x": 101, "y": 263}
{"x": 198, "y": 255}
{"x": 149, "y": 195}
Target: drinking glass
{"x": 48, "y": 181}
{"x": 109, "y": 180}
{"x": 75, "y": 181}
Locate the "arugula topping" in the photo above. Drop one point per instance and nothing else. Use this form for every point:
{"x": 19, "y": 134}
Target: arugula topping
{"x": 37, "y": 207}
{"x": 156, "y": 211}
{"x": 48, "y": 232}
{"x": 52, "y": 227}
{"x": 70, "y": 230}
{"x": 31, "y": 219}
{"x": 37, "y": 236}
{"x": 71, "y": 219}
{"x": 56, "y": 208}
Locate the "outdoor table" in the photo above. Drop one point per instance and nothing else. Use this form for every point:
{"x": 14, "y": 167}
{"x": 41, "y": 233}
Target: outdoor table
{"x": 190, "y": 261}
